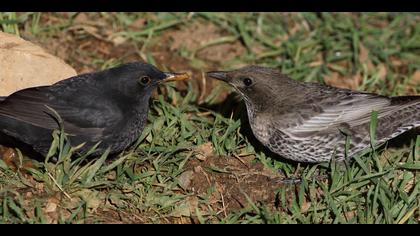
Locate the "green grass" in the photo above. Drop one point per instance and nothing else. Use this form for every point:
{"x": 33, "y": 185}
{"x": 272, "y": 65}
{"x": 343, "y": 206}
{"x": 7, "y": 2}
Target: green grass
{"x": 143, "y": 183}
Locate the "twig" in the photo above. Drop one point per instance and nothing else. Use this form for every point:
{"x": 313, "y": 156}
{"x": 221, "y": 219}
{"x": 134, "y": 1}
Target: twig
{"x": 203, "y": 88}
{"x": 59, "y": 187}
{"x": 237, "y": 157}
{"x": 223, "y": 205}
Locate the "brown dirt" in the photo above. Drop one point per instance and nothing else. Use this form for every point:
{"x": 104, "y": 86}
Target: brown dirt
{"x": 227, "y": 181}
{"x": 198, "y": 34}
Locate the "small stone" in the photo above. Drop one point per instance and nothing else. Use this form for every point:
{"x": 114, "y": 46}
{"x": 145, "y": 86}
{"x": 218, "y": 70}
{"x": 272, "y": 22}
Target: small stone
{"x": 185, "y": 179}
{"x": 24, "y": 64}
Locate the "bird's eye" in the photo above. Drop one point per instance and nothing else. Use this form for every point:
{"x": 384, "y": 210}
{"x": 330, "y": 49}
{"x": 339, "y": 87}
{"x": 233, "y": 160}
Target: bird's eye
{"x": 145, "y": 80}
{"x": 247, "y": 81}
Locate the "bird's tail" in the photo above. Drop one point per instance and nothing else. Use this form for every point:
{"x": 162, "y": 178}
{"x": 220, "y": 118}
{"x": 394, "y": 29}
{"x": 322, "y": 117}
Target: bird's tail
{"x": 404, "y": 100}
{"x": 405, "y": 117}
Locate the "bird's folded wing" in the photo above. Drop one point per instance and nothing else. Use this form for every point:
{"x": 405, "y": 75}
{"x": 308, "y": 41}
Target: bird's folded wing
{"x": 347, "y": 112}
{"x": 33, "y": 106}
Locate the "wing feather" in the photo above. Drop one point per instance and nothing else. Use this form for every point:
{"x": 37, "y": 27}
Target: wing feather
{"x": 80, "y": 116}
{"x": 352, "y": 111}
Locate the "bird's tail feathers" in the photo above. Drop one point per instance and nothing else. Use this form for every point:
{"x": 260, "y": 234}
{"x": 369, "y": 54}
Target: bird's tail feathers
{"x": 402, "y": 119}
{"x": 409, "y": 100}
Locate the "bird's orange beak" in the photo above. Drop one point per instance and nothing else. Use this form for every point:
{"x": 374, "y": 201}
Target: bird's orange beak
{"x": 174, "y": 77}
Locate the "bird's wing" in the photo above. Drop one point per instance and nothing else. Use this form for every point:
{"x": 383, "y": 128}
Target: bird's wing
{"x": 79, "y": 114}
{"x": 348, "y": 111}
{"x": 2, "y": 98}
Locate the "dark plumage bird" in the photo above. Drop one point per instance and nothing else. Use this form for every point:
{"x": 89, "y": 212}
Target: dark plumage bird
{"x": 109, "y": 106}
{"x": 310, "y": 122}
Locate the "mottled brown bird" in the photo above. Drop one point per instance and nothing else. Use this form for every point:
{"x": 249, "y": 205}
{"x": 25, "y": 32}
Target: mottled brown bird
{"x": 109, "y": 107}
{"x": 309, "y": 122}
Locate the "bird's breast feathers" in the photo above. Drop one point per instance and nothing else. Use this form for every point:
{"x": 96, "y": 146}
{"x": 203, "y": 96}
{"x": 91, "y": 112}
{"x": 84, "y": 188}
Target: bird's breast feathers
{"x": 260, "y": 126}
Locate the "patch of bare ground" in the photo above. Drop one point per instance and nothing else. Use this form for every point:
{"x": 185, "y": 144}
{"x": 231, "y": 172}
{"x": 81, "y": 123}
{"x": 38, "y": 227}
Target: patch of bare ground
{"x": 196, "y": 36}
{"x": 230, "y": 183}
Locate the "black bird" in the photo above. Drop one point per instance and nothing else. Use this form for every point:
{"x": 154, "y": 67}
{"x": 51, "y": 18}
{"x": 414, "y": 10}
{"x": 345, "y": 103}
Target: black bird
{"x": 109, "y": 107}
{"x": 309, "y": 122}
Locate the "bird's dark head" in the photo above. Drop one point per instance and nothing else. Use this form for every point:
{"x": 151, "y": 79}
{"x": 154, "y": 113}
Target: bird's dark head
{"x": 257, "y": 85}
{"x": 139, "y": 78}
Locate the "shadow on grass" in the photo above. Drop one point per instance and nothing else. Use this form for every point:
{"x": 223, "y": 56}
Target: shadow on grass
{"x": 26, "y": 149}
{"x": 404, "y": 140}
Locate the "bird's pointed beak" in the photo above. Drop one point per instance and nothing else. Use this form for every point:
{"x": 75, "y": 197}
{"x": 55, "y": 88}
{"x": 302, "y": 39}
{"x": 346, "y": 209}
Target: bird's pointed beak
{"x": 220, "y": 75}
{"x": 174, "y": 77}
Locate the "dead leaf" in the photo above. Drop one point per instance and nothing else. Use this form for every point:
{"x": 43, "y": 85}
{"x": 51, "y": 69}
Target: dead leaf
{"x": 415, "y": 78}
{"x": 92, "y": 198}
{"x": 138, "y": 24}
{"x": 198, "y": 169}
{"x": 40, "y": 188}
{"x": 364, "y": 58}
{"x": 186, "y": 208}
{"x": 72, "y": 204}
{"x": 305, "y": 206}
{"x": 50, "y": 210}
{"x": 396, "y": 62}
{"x": 356, "y": 81}
{"x": 87, "y": 29}
{"x": 293, "y": 30}
{"x": 51, "y": 207}
{"x": 115, "y": 200}
{"x": 336, "y": 80}
{"x": 112, "y": 175}
{"x": 118, "y": 40}
{"x": 9, "y": 157}
{"x": 333, "y": 80}
{"x": 316, "y": 63}
{"x": 363, "y": 53}
{"x": 81, "y": 18}
{"x": 382, "y": 71}
{"x": 203, "y": 151}
{"x": 414, "y": 82}
{"x": 350, "y": 215}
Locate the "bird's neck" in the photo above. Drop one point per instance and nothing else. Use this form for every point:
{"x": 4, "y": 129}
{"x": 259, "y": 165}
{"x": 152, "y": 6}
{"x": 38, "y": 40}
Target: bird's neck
{"x": 259, "y": 121}
{"x": 253, "y": 109}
